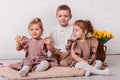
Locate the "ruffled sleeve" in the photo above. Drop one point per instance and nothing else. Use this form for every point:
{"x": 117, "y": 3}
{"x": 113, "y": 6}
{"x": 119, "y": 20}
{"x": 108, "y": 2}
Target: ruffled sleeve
{"x": 76, "y": 48}
{"x": 69, "y": 44}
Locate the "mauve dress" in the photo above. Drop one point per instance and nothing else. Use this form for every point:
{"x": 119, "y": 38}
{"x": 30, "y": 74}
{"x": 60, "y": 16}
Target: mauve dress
{"x": 84, "y": 50}
{"x": 35, "y": 52}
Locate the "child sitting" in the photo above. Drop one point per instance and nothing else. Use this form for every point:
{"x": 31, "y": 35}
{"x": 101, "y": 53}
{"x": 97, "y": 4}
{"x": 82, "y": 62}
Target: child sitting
{"x": 35, "y": 50}
{"x": 82, "y": 50}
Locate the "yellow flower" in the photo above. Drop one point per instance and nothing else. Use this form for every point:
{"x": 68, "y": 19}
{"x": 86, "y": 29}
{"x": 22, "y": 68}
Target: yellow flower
{"x": 102, "y": 36}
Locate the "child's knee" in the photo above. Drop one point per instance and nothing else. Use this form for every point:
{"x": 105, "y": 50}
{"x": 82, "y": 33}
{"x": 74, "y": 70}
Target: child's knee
{"x": 79, "y": 64}
{"x": 44, "y": 63}
{"x": 42, "y": 66}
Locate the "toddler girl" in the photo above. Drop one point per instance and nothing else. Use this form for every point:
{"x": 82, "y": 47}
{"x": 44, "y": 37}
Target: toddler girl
{"x": 35, "y": 50}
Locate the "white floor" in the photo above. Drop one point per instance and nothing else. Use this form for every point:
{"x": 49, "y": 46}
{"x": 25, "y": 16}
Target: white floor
{"x": 113, "y": 63}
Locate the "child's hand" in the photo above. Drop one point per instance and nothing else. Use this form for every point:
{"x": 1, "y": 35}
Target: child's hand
{"x": 47, "y": 40}
{"x": 18, "y": 39}
{"x": 72, "y": 51}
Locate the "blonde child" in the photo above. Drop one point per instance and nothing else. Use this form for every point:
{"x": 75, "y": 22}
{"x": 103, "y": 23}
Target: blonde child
{"x": 82, "y": 50}
{"x": 35, "y": 50}
{"x": 61, "y": 32}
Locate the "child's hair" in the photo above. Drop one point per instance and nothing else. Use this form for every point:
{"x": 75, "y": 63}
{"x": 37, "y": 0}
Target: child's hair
{"x": 64, "y": 7}
{"x": 36, "y": 21}
{"x": 85, "y": 25}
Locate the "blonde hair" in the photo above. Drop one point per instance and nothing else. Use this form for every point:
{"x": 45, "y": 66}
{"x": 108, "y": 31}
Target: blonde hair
{"x": 64, "y": 7}
{"x": 36, "y": 21}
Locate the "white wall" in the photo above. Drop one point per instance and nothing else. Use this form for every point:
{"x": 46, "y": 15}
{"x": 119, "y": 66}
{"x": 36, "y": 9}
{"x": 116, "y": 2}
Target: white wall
{"x": 16, "y": 14}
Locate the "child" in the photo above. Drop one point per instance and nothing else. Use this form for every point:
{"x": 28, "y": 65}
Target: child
{"x": 61, "y": 32}
{"x": 35, "y": 58}
{"x": 82, "y": 50}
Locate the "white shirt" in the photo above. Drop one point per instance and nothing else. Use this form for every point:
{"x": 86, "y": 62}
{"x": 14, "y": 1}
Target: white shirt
{"x": 60, "y": 35}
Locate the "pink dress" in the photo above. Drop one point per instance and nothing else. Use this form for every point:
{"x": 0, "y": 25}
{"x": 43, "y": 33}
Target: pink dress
{"x": 35, "y": 52}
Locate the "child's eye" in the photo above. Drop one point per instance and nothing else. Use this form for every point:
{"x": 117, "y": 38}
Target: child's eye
{"x": 59, "y": 16}
{"x": 37, "y": 29}
{"x": 65, "y": 16}
{"x": 31, "y": 29}
{"x": 75, "y": 30}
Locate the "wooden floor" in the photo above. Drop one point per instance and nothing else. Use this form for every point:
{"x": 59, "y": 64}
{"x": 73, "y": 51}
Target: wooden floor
{"x": 112, "y": 61}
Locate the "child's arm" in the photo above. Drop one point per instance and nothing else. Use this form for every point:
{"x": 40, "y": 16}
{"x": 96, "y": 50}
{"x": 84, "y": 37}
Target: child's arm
{"x": 76, "y": 57}
{"x": 18, "y": 43}
{"x": 50, "y": 48}
{"x": 49, "y": 45}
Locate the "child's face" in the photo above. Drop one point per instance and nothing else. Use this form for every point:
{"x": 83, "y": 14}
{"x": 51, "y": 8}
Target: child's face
{"x": 63, "y": 17}
{"x": 78, "y": 32}
{"x": 35, "y": 31}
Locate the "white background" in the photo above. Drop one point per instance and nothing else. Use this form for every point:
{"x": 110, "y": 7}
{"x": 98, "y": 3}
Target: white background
{"x": 16, "y": 14}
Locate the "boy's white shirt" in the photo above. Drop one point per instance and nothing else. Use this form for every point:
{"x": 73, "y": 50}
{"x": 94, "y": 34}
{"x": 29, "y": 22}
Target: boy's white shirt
{"x": 60, "y": 35}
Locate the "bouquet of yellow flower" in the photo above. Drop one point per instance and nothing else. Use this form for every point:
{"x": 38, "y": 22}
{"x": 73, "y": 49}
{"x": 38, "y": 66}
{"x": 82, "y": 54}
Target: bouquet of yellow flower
{"x": 102, "y": 36}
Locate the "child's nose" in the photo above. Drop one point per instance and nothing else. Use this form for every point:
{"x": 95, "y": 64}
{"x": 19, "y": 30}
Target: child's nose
{"x": 63, "y": 18}
{"x": 34, "y": 31}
